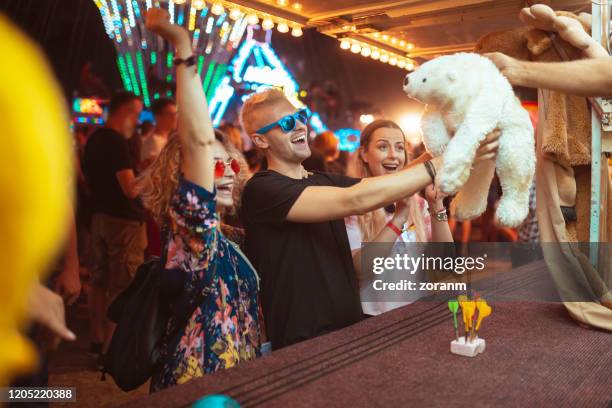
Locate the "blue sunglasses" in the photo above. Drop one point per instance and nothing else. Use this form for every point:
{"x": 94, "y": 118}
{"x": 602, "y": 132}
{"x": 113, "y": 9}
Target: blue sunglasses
{"x": 287, "y": 123}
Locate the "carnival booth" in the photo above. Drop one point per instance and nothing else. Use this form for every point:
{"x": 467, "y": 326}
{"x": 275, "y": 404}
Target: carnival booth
{"x": 535, "y": 353}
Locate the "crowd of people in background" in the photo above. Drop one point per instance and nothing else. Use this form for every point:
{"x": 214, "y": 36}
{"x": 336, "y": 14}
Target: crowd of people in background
{"x": 272, "y": 234}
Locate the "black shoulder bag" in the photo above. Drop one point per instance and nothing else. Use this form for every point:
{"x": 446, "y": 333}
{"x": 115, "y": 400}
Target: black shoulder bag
{"x": 142, "y": 318}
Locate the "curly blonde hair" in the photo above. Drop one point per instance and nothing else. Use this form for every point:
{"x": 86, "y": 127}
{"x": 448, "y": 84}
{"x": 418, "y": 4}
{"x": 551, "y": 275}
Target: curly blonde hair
{"x": 158, "y": 183}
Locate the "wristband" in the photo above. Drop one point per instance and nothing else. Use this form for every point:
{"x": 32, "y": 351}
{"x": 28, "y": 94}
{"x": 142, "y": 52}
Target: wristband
{"x": 187, "y": 61}
{"x": 431, "y": 170}
{"x": 394, "y": 228}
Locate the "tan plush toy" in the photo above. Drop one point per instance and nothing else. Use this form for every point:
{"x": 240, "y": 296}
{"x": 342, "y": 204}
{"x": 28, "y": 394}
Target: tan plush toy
{"x": 570, "y": 29}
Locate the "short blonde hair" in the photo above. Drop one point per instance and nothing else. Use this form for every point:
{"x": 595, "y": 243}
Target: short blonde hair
{"x": 249, "y": 118}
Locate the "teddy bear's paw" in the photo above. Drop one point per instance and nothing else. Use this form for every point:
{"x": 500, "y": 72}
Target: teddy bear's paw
{"x": 448, "y": 184}
{"x": 510, "y": 213}
{"x": 467, "y": 208}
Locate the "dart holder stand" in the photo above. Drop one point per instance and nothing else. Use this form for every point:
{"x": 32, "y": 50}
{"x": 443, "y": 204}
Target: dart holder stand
{"x": 469, "y": 349}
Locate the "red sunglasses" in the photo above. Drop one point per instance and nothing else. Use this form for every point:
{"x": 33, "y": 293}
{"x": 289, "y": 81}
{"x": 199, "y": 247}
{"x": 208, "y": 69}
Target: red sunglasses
{"x": 220, "y": 167}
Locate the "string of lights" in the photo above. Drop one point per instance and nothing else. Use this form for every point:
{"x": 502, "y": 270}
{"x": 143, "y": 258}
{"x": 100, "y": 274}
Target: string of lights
{"x": 217, "y": 28}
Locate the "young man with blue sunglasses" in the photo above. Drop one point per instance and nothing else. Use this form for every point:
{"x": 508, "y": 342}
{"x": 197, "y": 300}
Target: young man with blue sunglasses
{"x": 295, "y": 233}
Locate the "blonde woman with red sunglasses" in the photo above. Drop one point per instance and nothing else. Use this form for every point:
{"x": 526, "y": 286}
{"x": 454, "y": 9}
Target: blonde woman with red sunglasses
{"x": 186, "y": 189}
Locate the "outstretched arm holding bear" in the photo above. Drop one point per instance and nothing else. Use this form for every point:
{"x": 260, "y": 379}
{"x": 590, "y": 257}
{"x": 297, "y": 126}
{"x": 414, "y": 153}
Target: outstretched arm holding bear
{"x": 588, "y": 77}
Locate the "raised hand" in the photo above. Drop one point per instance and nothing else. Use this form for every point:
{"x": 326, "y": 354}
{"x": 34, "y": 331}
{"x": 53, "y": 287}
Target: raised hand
{"x": 158, "y": 21}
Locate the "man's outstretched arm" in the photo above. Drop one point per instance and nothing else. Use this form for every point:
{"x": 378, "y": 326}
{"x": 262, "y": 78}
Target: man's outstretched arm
{"x": 318, "y": 204}
{"x": 586, "y": 77}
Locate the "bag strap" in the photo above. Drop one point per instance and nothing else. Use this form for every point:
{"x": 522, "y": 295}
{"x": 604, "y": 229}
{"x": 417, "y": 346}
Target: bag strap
{"x": 202, "y": 293}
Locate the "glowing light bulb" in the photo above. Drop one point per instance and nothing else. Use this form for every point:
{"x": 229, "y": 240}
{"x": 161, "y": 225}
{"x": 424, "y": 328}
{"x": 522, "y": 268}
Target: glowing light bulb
{"x": 402, "y": 43}
{"x": 282, "y": 27}
{"x": 297, "y": 6}
{"x": 393, "y": 61}
{"x": 252, "y": 19}
{"x": 355, "y": 48}
{"x": 376, "y": 35}
{"x": 179, "y": 1}
{"x": 384, "y": 58}
{"x": 296, "y": 31}
{"x": 366, "y": 51}
{"x": 267, "y": 24}
{"x": 366, "y": 119}
{"x": 375, "y": 55}
{"x": 198, "y": 4}
{"x": 217, "y": 8}
{"x": 385, "y": 37}
{"x": 410, "y": 46}
{"x": 393, "y": 40}
{"x": 345, "y": 44}
{"x": 401, "y": 64}
{"x": 235, "y": 13}
{"x": 410, "y": 66}
{"x": 282, "y": 3}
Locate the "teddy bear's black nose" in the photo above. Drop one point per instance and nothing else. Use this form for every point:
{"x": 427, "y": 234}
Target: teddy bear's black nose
{"x": 406, "y": 80}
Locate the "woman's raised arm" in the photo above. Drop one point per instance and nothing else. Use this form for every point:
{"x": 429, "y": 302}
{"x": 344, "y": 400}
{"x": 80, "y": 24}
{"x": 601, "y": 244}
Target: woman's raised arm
{"x": 194, "y": 125}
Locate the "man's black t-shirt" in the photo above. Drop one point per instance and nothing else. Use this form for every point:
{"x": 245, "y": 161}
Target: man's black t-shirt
{"x": 106, "y": 153}
{"x": 308, "y": 282}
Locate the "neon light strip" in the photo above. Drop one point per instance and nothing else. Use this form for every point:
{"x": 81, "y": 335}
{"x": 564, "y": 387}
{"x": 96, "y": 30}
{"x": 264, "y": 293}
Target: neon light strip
{"x": 258, "y": 58}
{"x": 210, "y": 25}
{"x": 136, "y": 8}
{"x": 238, "y": 31}
{"x": 132, "y": 73}
{"x": 221, "y": 69}
{"x": 192, "y": 18}
{"x": 196, "y": 37}
{"x": 153, "y": 57}
{"x": 128, "y": 30}
{"x": 241, "y": 59}
{"x": 130, "y": 13}
{"x": 143, "y": 79}
{"x": 106, "y": 20}
{"x": 181, "y": 16}
{"x": 171, "y": 10}
{"x": 116, "y": 20}
{"x": 123, "y": 72}
{"x": 220, "y": 101}
{"x": 200, "y": 64}
{"x": 224, "y": 33}
{"x": 208, "y": 76}
{"x": 169, "y": 60}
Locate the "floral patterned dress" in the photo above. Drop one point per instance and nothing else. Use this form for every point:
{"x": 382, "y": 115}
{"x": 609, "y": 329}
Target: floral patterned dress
{"x": 223, "y": 330}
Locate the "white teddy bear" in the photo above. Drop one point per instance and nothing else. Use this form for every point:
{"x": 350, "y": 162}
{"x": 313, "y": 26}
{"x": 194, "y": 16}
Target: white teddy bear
{"x": 467, "y": 98}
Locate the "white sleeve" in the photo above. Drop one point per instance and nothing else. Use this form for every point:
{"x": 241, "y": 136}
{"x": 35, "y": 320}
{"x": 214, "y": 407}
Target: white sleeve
{"x": 353, "y": 232}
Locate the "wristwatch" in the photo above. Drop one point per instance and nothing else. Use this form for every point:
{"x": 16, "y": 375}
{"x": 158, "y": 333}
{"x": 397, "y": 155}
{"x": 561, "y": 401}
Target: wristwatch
{"x": 441, "y": 216}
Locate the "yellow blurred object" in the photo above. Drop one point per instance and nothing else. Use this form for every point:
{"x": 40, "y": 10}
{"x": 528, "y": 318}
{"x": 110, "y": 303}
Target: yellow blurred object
{"x": 484, "y": 310}
{"x": 35, "y": 187}
{"x": 467, "y": 311}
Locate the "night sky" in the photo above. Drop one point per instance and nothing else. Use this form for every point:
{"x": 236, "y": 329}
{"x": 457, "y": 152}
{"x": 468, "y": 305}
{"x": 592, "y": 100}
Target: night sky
{"x": 71, "y": 33}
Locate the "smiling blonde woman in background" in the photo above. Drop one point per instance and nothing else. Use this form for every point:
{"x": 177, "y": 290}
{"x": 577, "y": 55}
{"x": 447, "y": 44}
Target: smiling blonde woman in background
{"x": 382, "y": 150}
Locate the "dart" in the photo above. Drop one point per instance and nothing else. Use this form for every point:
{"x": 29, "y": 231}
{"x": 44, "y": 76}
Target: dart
{"x": 453, "y": 306}
{"x": 484, "y": 310}
{"x": 467, "y": 309}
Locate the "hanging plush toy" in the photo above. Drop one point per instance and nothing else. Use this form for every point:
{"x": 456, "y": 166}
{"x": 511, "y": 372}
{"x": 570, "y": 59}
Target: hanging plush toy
{"x": 467, "y": 98}
{"x": 35, "y": 187}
